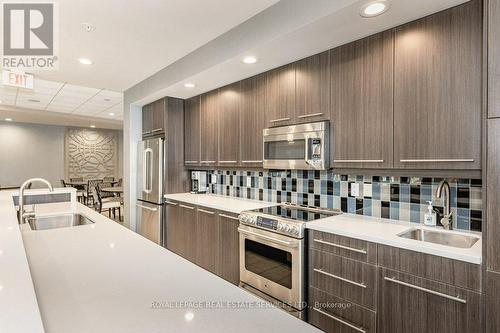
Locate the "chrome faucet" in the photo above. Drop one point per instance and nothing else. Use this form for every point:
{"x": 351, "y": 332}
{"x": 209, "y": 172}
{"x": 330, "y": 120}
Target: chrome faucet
{"x": 23, "y": 215}
{"x": 447, "y": 220}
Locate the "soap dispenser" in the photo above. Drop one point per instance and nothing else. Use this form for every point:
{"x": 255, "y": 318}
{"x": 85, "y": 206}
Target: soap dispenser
{"x": 430, "y": 216}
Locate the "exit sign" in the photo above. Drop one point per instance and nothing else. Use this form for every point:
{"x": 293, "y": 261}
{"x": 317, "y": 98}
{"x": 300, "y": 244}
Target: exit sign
{"x": 16, "y": 79}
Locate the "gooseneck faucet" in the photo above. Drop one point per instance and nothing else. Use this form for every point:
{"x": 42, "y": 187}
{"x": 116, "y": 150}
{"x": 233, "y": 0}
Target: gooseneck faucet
{"x": 446, "y": 221}
{"x": 23, "y": 215}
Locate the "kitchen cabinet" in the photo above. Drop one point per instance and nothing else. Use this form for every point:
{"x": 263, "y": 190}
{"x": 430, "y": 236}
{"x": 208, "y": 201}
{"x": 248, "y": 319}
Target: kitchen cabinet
{"x": 209, "y": 128}
{"x": 493, "y": 187}
{"x": 280, "y": 96}
{"x": 493, "y": 58}
{"x": 228, "y": 245}
{"x": 362, "y": 103}
{"x": 408, "y": 303}
{"x": 492, "y": 302}
{"x": 229, "y": 125}
{"x": 153, "y": 118}
{"x": 206, "y": 238}
{"x": 176, "y": 176}
{"x": 181, "y": 230}
{"x": 437, "y": 90}
{"x": 252, "y": 123}
{"x": 192, "y": 130}
{"x": 313, "y": 88}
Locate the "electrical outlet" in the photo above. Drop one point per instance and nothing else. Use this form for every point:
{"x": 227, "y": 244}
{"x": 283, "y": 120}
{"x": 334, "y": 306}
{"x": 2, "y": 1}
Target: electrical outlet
{"x": 355, "y": 189}
{"x": 214, "y": 179}
{"x": 249, "y": 181}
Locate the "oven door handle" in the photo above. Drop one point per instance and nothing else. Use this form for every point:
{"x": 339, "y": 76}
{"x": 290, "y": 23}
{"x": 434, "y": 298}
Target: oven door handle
{"x": 271, "y": 239}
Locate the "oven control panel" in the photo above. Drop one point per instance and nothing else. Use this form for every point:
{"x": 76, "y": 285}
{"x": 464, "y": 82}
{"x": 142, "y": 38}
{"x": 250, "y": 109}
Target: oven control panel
{"x": 276, "y": 225}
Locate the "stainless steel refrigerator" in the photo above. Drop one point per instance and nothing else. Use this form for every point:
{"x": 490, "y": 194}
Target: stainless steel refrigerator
{"x": 150, "y": 189}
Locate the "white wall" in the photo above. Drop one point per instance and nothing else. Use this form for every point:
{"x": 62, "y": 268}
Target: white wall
{"x": 32, "y": 150}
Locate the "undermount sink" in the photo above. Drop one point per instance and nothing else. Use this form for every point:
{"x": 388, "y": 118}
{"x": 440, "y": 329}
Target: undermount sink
{"x": 437, "y": 237}
{"x": 58, "y": 221}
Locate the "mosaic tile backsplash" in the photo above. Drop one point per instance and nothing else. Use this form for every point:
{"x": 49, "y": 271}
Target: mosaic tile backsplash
{"x": 398, "y": 198}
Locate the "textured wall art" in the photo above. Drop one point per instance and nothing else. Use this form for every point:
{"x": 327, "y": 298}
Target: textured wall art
{"x": 91, "y": 153}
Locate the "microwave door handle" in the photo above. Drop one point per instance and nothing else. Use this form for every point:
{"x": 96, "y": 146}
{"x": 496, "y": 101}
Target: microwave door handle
{"x": 306, "y": 159}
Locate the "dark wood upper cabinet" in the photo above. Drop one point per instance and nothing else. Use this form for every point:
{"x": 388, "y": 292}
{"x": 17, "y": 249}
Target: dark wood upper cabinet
{"x": 147, "y": 120}
{"x": 493, "y": 186}
{"x": 437, "y": 90}
{"x": 313, "y": 88}
{"x": 493, "y": 58}
{"x": 252, "y": 120}
{"x": 192, "y": 131}
{"x": 208, "y": 129}
{"x": 280, "y": 96}
{"x": 229, "y": 125}
{"x": 361, "y": 103}
{"x": 153, "y": 118}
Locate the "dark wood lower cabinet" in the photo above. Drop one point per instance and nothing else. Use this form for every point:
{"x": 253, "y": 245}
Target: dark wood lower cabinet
{"x": 492, "y": 302}
{"x": 228, "y": 245}
{"x": 206, "y": 238}
{"x": 408, "y": 303}
{"x": 181, "y": 231}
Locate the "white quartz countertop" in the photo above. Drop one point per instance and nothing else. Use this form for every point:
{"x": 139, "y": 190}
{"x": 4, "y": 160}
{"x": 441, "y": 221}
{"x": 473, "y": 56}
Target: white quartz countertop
{"x": 105, "y": 278}
{"x": 18, "y": 304}
{"x": 228, "y": 204}
{"x": 384, "y": 231}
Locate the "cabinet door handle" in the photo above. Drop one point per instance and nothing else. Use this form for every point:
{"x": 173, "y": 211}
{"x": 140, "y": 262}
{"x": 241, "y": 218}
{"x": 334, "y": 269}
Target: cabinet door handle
{"x": 205, "y": 211}
{"x": 222, "y": 162}
{"x": 229, "y": 217}
{"x": 340, "y": 246}
{"x": 278, "y": 120}
{"x": 439, "y": 160}
{"x": 359, "y": 329}
{"x": 187, "y": 207}
{"x": 437, "y": 293}
{"x": 171, "y": 203}
{"x": 191, "y": 161}
{"x": 358, "y": 161}
{"x": 362, "y": 285}
{"x": 157, "y": 130}
{"x": 256, "y": 161}
{"x": 311, "y": 115}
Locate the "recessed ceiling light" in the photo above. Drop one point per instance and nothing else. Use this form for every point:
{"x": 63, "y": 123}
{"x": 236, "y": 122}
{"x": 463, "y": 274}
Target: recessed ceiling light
{"x": 107, "y": 99}
{"x": 33, "y": 100}
{"x": 92, "y": 126}
{"x": 111, "y": 114}
{"x": 88, "y": 27}
{"x": 189, "y": 85}
{"x": 374, "y": 8}
{"x": 8, "y": 119}
{"x": 85, "y": 61}
{"x": 250, "y": 60}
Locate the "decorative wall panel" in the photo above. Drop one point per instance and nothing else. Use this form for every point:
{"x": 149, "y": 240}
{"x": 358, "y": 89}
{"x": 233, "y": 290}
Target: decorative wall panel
{"x": 91, "y": 153}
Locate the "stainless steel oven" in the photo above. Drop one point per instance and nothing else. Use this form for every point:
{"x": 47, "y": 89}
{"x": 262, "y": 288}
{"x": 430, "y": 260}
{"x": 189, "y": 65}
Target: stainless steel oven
{"x": 304, "y": 146}
{"x": 273, "y": 264}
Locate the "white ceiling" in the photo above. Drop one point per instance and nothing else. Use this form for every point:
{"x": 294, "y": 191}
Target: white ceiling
{"x": 136, "y": 38}
{"x": 50, "y": 96}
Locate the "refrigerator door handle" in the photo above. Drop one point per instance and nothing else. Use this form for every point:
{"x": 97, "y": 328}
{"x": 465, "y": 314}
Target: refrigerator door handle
{"x": 147, "y": 174}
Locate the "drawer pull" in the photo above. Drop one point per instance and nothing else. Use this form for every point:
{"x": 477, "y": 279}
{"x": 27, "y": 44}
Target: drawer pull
{"x": 146, "y": 132}
{"x": 170, "y": 203}
{"x": 340, "y": 246}
{"x": 207, "y": 161}
{"x": 278, "y": 120}
{"x": 256, "y": 161}
{"x": 157, "y": 130}
{"x": 205, "y": 211}
{"x": 358, "y": 161}
{"x": 439, "y": 160}
{"x": 311, "y": 115}
{"x": 229, "y": 217}
{"x": 222, "y": 162}
{"x": 187, "y": 207}
{"x": 191, "y": 161}
{"x": 362, "y": 285}
{"x": 453, "y": 298}
{"x": 359, "y": 329}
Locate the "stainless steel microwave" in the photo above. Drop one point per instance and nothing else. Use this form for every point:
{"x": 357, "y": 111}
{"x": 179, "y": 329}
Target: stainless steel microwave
{"x": 304, "y": 146}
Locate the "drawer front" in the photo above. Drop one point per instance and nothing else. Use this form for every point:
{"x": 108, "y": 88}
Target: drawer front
{"x": 350, "y": 279}
{"x": 333, "y": 314}
{"x": 454, "y": 272}
{"x": 343, "y": 246}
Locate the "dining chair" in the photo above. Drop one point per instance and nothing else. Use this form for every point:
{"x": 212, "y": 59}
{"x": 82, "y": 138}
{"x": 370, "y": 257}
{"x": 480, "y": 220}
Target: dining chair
{"x": 120, "y": 182}
{"x": 109, "y": 179}
{"x": 109, "y": 204}
{"x": 89, "y": 193}
{"x": 76, "y": 179}
{"x": 63, "y": 182}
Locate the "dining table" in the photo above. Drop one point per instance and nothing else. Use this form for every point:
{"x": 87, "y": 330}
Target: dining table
{"x": 114, "y": 189}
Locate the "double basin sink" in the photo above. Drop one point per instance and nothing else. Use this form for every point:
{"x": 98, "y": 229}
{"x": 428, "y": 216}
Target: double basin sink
{"x": 58, "y": 221}
{"x": 439, "y": 237}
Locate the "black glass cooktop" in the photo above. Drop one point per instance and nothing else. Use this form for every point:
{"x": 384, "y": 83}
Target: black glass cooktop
{"x": 296, "y": 213}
